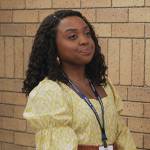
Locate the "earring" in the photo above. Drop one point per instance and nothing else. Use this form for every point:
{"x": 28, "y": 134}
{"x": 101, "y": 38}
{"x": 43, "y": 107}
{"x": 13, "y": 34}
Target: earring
{"x": 58, "y": 60}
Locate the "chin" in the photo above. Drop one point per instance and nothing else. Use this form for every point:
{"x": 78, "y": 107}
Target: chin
{"x": 85, "y": 61}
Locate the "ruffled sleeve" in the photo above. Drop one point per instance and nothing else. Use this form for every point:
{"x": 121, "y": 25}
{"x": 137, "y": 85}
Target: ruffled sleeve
{"x": 50, "y": 113}
{"x": 124, "y": 139}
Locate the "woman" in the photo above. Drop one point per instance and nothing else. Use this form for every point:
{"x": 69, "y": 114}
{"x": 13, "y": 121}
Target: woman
{"x": 71, "y": 102}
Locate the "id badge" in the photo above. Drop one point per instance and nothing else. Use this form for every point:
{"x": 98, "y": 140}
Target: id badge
{"x": 109, "y": 147}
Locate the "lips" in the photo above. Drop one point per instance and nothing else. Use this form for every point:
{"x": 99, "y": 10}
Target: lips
{"x": 85, "y": 51}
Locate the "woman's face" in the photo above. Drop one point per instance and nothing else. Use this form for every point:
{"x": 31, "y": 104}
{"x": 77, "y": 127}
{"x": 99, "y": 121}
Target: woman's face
{"x": 74, "y": 42}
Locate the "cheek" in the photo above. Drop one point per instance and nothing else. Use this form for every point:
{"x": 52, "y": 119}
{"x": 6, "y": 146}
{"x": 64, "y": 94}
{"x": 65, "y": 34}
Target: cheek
{"x": 65, "y": 48}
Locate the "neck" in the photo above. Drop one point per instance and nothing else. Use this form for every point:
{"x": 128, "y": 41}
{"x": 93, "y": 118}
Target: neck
{"x": 75, "y": 73}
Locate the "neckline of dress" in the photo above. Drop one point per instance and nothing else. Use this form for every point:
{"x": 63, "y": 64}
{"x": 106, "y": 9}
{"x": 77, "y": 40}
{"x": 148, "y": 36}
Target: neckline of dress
{"x": 92, "y": 99}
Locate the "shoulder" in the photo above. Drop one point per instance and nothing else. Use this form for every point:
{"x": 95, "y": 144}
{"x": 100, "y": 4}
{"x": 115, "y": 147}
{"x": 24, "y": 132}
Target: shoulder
{"x": 110, "y": 85}
{"x": 45, "y": 87}
{"x": 117, "y": 99}
{"x": 46, "y": 104}
{"x": 46, "y": 97}
{"x": 49, "y": 92}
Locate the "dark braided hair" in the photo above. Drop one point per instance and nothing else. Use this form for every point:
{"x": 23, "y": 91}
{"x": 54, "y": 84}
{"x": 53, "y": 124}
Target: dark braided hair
{"x": 43, "y": 59}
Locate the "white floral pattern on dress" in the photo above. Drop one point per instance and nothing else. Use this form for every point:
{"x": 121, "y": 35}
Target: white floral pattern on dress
{"x": 63, "y": 120}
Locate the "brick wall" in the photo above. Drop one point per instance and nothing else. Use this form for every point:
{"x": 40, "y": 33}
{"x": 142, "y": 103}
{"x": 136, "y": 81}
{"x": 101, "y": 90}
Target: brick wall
{"x": 123, "y": 29}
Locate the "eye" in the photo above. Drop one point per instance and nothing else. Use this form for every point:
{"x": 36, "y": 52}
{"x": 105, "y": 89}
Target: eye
{"x": 72, "y": 37}
{"x": 88, "y": 33}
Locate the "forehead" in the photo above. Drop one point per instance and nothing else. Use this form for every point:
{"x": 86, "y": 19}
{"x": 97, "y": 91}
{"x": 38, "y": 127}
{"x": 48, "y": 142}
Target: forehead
{"x": 74, "y": 22}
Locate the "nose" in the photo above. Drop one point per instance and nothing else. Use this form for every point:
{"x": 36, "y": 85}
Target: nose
{"x": 83, "y": 40}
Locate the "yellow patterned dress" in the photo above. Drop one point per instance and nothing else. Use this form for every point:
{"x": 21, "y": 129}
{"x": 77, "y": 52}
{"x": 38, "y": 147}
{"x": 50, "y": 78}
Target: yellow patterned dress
{"x": 63, "y": 120}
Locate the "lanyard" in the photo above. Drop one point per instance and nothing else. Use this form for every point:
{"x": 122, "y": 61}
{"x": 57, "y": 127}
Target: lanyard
{"x": 102, "y": 126}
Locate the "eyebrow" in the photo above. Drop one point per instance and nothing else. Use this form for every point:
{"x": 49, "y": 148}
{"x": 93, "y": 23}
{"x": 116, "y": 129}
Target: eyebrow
{"x": 74, "y": 29}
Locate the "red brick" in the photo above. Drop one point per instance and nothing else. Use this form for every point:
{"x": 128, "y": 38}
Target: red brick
{"x": 125, "y": 120}
{"x": 13, "y": 98}
{"x": 139, "y": 14}
{"x": 13, "y": 29}
{"x": 90, "y": 14}
{"x": 8, "y": 146}
{"x": 30, "y": 148}
{"x": 9, "y": 57}
{"x": 103, "y": 42}
{"x": 24, "y": 139}
{"x": 147, "y": 110}
{"x": 25, "y": 16}
{"x": 0, "y": 97}
{"x": 38, "y": 4}
{"x": 30, "y": 128}
{"x": 127, "y": 3}
{"x": 125, "y": 61}
{"x": 18, "y": 47}
{"x": 13, "y": 124}
{"x": 113, "y": 60}
{"x": 13, "y": 85}
{"x": 45, "y": 13}
{"x": 66, "y": 4}
{"x": 5, "y": 16}
{"x": 0, "y": 145}
{"x": 28, "y": 41}
{"x": 128, "y": 30}
{"x": 31, "y": 29}
{"x": 138, "y": 62}
{"x": 147, "y": 63}
{"x": 147, "y": 30}
{"x": 146, "y": 141}
{"x": 138, "y": 138}
{"x": 112, "y": 15}
{"x": 6, "y": 136}
{"x": 12, "y": 4}
{"x": 18, "y": 111}
{"x": 96, "y": 3}
{"x": 133, "y": 109}
{"x": 1, "y": 122}
{"x": 147, "y": 3}
{"x": 122, "y": 91}
{"x": 139, "y": 124}
{"x": 2, "y": 59}
{"x": 139, "y": 94}
{"x": 102, "y": 30}
{"x": 6, "y": 110}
